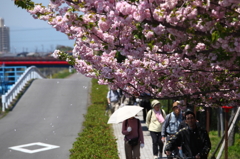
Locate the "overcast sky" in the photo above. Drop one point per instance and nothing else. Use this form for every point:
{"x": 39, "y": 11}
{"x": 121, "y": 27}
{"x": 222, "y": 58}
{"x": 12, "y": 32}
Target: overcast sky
{"x": 29, "y": 34}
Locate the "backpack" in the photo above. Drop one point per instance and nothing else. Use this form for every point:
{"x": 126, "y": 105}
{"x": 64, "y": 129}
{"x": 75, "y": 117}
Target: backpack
{"x": 151, "y": 113}
{"x": 169, "y": 118}
{"x": 168, "y": 121}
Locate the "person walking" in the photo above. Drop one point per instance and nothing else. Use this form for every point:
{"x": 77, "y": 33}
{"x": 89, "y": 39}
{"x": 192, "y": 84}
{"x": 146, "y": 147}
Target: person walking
{"x": 196, "y": 140}
{"x": 133, "y": 139}
{"x": 146, "y": 104}
{"x": 154, "y": 120}
{"x": 127, "y": 100}
{"x": 183, "y": 124}
{"x": 171, "y": 124}
{"x": 113, "y": 98}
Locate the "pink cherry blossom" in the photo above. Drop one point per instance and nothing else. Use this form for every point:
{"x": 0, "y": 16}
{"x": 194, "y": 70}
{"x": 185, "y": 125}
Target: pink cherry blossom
{"x": 170, "y": 49}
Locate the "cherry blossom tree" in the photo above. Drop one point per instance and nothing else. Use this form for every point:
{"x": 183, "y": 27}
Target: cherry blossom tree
{"x": 166, "y": 48}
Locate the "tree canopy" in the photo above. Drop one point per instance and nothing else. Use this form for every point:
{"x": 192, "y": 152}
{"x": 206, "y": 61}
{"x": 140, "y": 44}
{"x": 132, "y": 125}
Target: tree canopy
{"x": 166, "y": 48}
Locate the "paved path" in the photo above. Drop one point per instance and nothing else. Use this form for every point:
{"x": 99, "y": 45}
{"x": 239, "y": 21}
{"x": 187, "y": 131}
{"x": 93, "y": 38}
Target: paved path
{"x": 50, "y": 112}
{"x": 146, "y": 152}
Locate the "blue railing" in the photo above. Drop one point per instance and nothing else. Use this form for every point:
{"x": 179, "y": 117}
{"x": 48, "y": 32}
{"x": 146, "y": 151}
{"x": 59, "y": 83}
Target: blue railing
{"x": 30, "y": 73}
{"x": 9, "y": 75}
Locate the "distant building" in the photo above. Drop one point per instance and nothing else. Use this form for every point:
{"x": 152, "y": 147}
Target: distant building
{"x": 4, "y": 38}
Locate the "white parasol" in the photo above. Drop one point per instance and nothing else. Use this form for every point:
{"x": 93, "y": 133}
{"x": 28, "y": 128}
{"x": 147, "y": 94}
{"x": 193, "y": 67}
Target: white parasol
{"x": 124, "y": 113}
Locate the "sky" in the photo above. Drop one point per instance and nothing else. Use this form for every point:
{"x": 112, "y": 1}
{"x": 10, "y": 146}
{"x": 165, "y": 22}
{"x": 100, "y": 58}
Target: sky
{"x": 28, "y": 34}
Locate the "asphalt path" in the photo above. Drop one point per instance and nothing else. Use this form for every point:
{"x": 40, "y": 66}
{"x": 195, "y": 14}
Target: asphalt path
{"x": 46, "y": 120}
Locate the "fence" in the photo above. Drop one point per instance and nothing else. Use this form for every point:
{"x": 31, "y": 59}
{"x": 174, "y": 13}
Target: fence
{"x": 31, "y": 73}
{"x": 9, "y": 75}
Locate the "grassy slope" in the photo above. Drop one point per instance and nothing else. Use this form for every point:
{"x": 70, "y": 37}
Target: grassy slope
{"x": 233, "y": 151}
{"x": 97, "y": 139}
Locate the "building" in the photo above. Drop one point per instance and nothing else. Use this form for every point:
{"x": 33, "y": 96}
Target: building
{"x": 4, "y": 38}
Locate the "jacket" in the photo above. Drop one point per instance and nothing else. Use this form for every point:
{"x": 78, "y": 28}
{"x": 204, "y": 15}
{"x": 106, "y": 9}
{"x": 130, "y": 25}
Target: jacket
{"x": 152, "y": 122}
{"x": 113, "y": 95}
{"x": 171, "y": 124}
{"x": 136, "y": 129}
{"x": 193, "y": 142}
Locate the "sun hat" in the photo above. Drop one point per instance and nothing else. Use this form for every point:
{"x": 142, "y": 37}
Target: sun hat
{"x": 155, "y": 102}
{"x": 176, "y": 104}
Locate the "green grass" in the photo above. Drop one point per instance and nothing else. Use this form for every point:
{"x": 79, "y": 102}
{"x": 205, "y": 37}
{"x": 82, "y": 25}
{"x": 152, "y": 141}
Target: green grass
{"x": 97, "y": 139}
{"x": 233, "y": 151}
{"x": 63, "y": 74}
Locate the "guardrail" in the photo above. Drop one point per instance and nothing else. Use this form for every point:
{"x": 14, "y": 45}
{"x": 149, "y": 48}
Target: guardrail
{"x": 228, "y": 133}
{"x": 9, "y": 75}
{"x": 31, "y": 73}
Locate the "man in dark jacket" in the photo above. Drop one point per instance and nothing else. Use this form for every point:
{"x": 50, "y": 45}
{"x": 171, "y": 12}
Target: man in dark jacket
{"x": 194, "y": 140}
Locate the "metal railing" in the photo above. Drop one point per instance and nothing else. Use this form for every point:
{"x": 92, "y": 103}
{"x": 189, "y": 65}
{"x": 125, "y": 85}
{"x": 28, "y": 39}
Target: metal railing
{"x": 231, "y": 128}
{"x": 31, "y": 73}
{"x": 9, "y": 75}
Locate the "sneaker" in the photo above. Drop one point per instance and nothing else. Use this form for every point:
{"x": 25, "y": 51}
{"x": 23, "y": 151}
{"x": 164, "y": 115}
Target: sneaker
{"x": 155, "y": 157}
{"x": 160, "y": 155}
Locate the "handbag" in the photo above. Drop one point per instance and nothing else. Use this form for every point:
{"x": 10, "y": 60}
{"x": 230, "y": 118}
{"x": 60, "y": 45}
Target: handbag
{"x": 109, "y": 106}
{"x": 133, "y": 142}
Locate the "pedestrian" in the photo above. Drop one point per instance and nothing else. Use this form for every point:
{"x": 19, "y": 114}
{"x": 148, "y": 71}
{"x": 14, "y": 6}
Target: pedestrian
{"x": 113, "y": 98}
{"x": 183, "y": 124}
{"x": 127, "y": 100}
{"x": 194, "y": 139}
{"x": 171, "y": 124}
{"x": 133, "y": 139}
{"x": 154, "y": 120}
{"x": 145, "y": 102}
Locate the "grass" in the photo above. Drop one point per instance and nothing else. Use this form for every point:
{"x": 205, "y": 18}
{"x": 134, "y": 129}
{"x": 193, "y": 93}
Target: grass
{"x": 97, "y": 139}
{"x": 62, "y": 74}
{"x": 233, "y": 151}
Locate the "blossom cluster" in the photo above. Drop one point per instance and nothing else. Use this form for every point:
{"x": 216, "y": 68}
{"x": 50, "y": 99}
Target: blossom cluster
{"x": 166, "y": 48}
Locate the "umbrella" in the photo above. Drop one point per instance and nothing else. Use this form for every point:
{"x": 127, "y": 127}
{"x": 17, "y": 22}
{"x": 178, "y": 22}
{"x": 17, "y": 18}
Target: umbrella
{"x": 124, "y": 113}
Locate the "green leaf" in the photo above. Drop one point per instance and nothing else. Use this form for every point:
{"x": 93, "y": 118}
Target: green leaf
{"x": 24, "y": 4}
{"x": 120, "y": 58}
{"x": 215, "y": 36}
{"x": 172, "y": 37}
{"x": 235, "y": 19}
{"x": 84, "y": 38}
{"x": 150, "y": 44}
